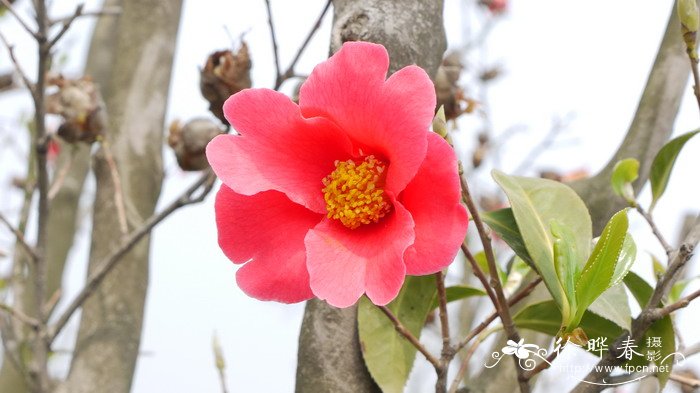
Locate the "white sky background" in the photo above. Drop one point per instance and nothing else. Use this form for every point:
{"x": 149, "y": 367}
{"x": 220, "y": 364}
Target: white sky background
{"x": 590, "y": 58}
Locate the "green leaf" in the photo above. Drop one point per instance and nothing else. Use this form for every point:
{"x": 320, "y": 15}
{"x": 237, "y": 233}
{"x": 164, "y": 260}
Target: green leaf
{"x": 614, "y": 306}
{"x": 389, "y": 356}
{"x": 624, "y": 173}
{"x": 503, "y": 223}
{"x": 663, "y": 163}
{"x": 662, "y": 328}
{"x": 545, "y": 317}
{"x": 597, "y": 275}
{"x": 565, "y": 264}
{"x": 676, "y": 290}
{"x": 459, "y": 292}
{"x": 628, "y": 255}
{"x": 535, "y": 203}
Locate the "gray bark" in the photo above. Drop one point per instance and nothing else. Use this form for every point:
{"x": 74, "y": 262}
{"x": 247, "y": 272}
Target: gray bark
{"x": 329, "y": 358}
{"x": 110, "y": 329}
{"x": 650, "y": 129}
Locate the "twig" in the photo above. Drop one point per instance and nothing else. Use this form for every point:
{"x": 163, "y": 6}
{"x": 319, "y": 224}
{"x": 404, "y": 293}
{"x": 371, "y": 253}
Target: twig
{"x": 21, "y": 21}
{"x": 67, "y": 24}
{"x": 558, "y": 126}
{"x": 289, "y": 72}
{"x": 479, "y": 274}
{"x": 107, "y": 11}
{"x": 543, "y": 365}
{"x": 18, "y": 68}
{"x": 652, "y": 224}
{"x": 696, "y": 78}
{"x": 273, "y": 36}
{"x": 501, "y": 304}
{"x": 470, "y": 352}
{"x": 220, "y": 363}
{"x": 401, "y": 329}
{"x": 684, "y": 380}
{"x": 118, "y": 191}
{"x": 20, "y": 316}
{"x": 513, "y": 300}
{"x": 447, "y": 350}
{"x": 206, "y": 182}
{"x": 666, "y": 310}
{"x": 20, "y": 238}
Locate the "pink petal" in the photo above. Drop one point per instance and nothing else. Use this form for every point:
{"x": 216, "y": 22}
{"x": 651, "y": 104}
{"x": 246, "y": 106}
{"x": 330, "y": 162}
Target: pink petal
{"x": 388, "y": 118}
{"x": 266, "y": 229}
{"x": 433, "y": 198}
{"x": 277, "y": 149}
{"x": 344, "y": 263}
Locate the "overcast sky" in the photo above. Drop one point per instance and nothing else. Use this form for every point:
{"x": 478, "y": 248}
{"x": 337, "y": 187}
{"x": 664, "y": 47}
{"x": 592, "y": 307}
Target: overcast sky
{"x": 589, "y": 58}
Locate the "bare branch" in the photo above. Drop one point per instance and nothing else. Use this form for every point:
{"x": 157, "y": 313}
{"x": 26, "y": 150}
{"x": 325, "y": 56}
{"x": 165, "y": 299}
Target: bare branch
{"x": 289, "y": 72}
{"x": 205, "y": 183}
{"x": 501, "y": 303}
{"x": 20, "y": 316}
{"x": 67, "y": 24}
{"x": 20, "y": 238}
{"x": 652, "y": 224}
{"x": 273, "y": 36}
{"x": 18, "y": 67}
{"x": 19, "y": 19}
{"x": 106, "y": 11}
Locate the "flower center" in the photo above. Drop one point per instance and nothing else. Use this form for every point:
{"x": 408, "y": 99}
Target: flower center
{"x": 353, "y": 192}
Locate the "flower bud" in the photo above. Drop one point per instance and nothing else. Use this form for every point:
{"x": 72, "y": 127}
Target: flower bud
{"x": 449, "y": 94}
{"x": 190, "y": 141}
{"x": 690, "y": 21}
{"x": 224, "y": 74}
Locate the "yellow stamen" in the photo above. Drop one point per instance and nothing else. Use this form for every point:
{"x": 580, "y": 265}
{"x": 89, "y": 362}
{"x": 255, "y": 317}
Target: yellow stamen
{"x": 353, "y": 192}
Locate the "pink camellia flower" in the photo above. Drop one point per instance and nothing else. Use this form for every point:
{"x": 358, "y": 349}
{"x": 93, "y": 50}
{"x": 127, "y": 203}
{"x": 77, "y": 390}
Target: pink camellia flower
{"x": 342, "y": 195}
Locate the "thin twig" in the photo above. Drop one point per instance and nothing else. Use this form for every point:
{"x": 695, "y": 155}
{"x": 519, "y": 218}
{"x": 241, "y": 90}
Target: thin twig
{"x": 558, "y": 126}
{"x": 289, "y": 72}
{"x": 20, "y": 238}
{"x": 502, "y": 303}
{"x": 696, "y": 78}
{"x": 479, "y": 274}
{"x": 18, "y": 67}
{"x": 468, "y": 355}
{"x": 652, "y": 224}
{"x": 401, "y": 329}
{"x": 20, "y": 316}
{"x": 447, "y": 350}
{"x": 66, "y": 25}
{"x": 513, "y": 300}
{"x": 205, "y": 182}
{"x": 543, "y": 365}
{"x": 21, "y": 21}
{"x": 273, "y": 36}
{"x": 685, "y": 380}
{"x": 666, "y": 310}
{"x": 107, "y": 11}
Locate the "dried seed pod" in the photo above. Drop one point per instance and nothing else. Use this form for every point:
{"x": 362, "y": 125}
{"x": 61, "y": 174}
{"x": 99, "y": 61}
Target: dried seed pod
{"x": 190, "y": 141}
{"x": 224, "y": 74}
{"x": 80, "y": 105}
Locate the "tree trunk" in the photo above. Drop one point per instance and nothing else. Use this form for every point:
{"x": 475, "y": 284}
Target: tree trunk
{"x": 110, "y": 329}
{"x": 329, "y": 358}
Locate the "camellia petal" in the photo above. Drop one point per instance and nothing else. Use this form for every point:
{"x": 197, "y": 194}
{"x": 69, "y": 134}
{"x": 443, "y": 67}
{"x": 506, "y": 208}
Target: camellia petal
{"x": 266, "y": 232}
{"x": 277, "y": 149}
{"x": 433, "y": 198}
{"x": 388, "y": 117}
{"x": 343, "y": 264}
